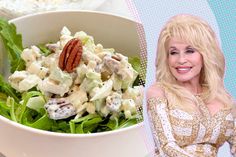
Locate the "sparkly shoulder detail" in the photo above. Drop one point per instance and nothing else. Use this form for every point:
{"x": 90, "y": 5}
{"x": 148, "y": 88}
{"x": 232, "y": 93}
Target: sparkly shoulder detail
{"x": 180, "y": 114}
{"x": 231, "y": 133}
{"x": 162, "y": 129}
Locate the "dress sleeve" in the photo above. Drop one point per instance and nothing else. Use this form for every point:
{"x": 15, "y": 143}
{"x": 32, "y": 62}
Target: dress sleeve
{"x": 162, "y": 129}
{"x": 232, "y": 140}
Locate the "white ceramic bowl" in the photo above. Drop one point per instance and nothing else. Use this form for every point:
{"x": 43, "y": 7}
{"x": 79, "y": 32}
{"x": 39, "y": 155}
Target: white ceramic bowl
{"x": 120, "y": 33}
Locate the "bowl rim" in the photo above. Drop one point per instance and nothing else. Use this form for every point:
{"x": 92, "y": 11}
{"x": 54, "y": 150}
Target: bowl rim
{"x": 70, "y": 135}
{"x": 74, "y": 11}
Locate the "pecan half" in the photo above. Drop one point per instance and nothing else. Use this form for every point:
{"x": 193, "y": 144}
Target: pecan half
{"x": 71, "y": 55}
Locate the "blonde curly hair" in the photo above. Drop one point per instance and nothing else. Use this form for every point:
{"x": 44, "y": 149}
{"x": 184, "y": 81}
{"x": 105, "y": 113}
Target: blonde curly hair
{"x": 200, "y": 35}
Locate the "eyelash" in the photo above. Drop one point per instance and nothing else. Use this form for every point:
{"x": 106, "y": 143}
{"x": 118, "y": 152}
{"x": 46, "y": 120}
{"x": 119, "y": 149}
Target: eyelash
{"x": 175, "y": 52}
{"x": 190, "y": 51}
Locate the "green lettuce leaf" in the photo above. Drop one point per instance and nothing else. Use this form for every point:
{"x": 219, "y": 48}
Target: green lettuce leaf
{"x": 136, "y": 64}
{"x": 13, "y": 44}
{"x": 5, "y": 110}
{"x": 26, "y": 98}
{"x": 7, "y": 90}
{"x": 44, "y": 49}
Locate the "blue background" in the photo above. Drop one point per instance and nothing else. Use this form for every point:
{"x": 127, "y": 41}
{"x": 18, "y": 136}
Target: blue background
{"x": 220, "y": 14}
{"x": 225, "y": 13}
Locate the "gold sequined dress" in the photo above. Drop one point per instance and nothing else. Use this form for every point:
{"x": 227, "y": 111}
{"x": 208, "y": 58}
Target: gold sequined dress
{"x": 178, "y": 133}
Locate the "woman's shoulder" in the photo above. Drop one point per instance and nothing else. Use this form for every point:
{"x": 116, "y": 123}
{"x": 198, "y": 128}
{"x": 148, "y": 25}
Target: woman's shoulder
{"x": 155, "y": 96}
{"x": 156, "y": 90}
{"x": 220, "y": 104}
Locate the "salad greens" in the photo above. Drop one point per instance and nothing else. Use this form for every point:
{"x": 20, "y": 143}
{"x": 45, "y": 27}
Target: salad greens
{"x": 7, "y": 90}
{"x": 13, "y": 44}
{"x": 135, "y": 62}
{"x": 15, "y": 106}
{"x": 44, "y": 49}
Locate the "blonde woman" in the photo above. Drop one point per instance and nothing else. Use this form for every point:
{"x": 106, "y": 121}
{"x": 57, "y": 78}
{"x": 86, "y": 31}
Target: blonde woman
{"x": 190, "y": 111}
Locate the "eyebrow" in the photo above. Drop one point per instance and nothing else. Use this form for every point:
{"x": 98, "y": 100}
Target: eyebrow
{"x": 172, "y": 47}
{"x": 188, "y": 47}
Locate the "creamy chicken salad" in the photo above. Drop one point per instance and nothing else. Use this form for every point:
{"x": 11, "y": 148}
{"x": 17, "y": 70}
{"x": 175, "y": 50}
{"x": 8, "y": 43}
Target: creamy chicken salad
{"x": 72, "y": 85}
